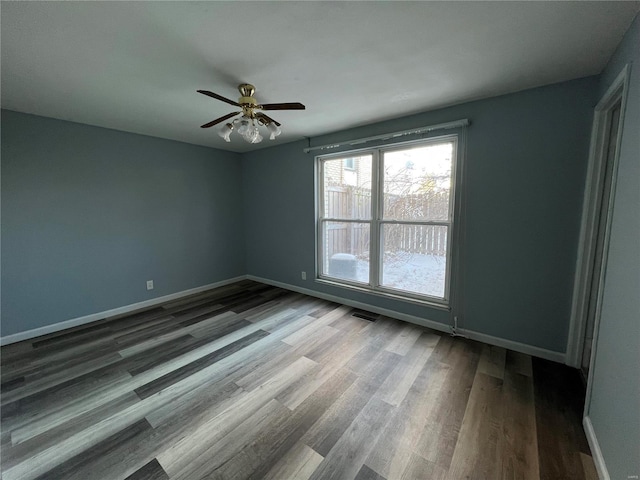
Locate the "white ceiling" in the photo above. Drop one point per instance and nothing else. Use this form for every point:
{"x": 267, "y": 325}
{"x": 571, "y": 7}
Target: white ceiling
{"x": 136, "y": 66}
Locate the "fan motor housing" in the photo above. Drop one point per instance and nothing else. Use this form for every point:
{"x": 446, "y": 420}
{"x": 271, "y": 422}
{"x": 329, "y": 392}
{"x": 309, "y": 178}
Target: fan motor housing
{"x": 247, "y": 100}
{"x": 246, "y": 89}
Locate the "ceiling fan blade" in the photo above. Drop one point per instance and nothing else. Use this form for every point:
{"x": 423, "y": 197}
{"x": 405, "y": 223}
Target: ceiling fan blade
{"x": 218, "y": 120}
{"x": 282, "y": 106}
{"x": 218, "y": 97}
{"x": 267, "y": 118}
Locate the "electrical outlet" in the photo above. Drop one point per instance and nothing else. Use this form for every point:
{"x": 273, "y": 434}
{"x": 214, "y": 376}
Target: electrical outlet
{"x": 149, "y": 284}
{"x": 304, "y": 275}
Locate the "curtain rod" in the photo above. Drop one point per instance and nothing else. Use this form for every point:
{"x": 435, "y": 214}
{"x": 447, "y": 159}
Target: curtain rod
{"x": 386, "y": 136}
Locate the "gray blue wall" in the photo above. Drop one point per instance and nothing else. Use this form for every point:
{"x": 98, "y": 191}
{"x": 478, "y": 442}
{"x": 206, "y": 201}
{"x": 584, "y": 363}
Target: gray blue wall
{"x": 90, "y": 214}
{"x": 615, "y": 400}
{"x": 525, "y": 169}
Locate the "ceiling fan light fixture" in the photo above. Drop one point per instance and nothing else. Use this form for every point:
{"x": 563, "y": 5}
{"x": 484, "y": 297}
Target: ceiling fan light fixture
{"x": 225, "y": 132}
{"x": 255, "y": 138}
{"x": 244, "y": 124}
{"x": 249, "y": 130}
{"x": 250, "y": 121}
{"x": 274, "y": 130}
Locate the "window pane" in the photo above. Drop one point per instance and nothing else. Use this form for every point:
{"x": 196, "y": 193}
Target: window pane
{"x": 415, "y": 258}
{"x": 417, "y": 183}
{"x": 346, "y": 250}
{"x": 347, "y": 187}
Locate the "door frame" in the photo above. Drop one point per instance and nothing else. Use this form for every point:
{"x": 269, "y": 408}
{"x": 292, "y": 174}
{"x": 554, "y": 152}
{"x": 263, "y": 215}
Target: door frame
{"x": 592, "y": 202}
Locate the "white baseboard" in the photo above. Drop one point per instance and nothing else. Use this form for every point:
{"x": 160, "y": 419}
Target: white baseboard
{"x": 558, "y": 357}
{"x": 596, "y": 453}
{"x": 74, "y": 322}
{"x": 442, "y": 327}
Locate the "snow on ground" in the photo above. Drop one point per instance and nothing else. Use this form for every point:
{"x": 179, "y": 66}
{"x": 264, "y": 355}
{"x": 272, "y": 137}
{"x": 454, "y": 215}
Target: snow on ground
{"x": 422, "y": 274}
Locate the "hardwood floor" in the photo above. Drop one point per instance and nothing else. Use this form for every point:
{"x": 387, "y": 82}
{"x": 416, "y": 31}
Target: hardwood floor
{"x": 251, "y": 381}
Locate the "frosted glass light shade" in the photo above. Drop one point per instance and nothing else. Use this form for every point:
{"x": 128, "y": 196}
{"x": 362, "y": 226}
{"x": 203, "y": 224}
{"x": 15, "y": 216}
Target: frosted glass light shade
{"x": 245, "y": 125}
{"x": 252, "y": 134}
{"x": 274, "y": 130}
{"x": 248, "y": 128}
{"x": 225, "y": 132}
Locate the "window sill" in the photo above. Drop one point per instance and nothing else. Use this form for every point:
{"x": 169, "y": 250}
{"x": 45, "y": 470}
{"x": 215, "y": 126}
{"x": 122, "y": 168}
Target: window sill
{"x": 385, "y": 294}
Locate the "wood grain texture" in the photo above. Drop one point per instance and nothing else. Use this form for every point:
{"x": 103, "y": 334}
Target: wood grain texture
{"x": 492, "y": 361}
{"x": 518, "y": 441}
{"x": 151, "y": 471}
{"x": 249, "y": 381}
{"x": 298, "y": 464}
{"x": 365, "y": 473}
{"x": 589, "y": 467}
{"x": 477, "y": 453}
{"x": 559, "y": 431}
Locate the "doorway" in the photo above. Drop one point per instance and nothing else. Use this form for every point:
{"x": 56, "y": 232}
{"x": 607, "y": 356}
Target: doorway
{"x": 610, "y": 148}
{"x": 595, "y": 229}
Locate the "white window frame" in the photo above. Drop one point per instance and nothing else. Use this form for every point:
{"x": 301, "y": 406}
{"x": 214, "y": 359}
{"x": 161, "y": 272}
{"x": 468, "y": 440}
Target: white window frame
{"x": 376, "y": 222}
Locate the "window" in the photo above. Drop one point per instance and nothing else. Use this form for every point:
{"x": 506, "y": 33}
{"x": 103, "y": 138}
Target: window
{"x": 386, "y": 225}
{"x": 350, "y": 163}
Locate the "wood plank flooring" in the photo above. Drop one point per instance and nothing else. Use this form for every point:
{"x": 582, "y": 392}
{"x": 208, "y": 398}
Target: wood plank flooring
{"x": 250, "y": 381}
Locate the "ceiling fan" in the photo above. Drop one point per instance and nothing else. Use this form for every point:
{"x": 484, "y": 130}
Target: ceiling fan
{"x": 247, "y": 124}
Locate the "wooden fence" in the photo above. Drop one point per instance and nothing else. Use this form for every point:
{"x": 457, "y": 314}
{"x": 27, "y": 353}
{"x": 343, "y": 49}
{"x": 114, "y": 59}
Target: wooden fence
{"x": 422, "y": 239}
{"x": 354, "y": 238}
{"x": 347, "y": 202}
{"x": 350, "y": 238}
